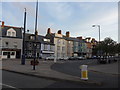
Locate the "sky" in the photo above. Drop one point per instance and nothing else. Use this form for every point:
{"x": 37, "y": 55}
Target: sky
{"x": 75, "y": 17}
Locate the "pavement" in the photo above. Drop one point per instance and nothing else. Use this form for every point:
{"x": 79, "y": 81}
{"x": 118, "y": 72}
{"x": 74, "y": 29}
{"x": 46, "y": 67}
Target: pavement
{"x": 111, "y": 68}
{"x": 43, "y": 70}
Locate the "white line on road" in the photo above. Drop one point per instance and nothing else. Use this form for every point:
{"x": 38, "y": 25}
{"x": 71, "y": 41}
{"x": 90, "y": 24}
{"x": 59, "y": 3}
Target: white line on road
{"x": 9, "y": 86}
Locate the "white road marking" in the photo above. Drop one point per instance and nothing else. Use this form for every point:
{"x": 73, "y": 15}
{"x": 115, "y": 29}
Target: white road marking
{"x": 9, "y": 86}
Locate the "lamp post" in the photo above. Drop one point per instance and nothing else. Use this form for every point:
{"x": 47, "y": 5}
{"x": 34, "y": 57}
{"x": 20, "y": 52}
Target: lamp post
{"x": 35, "y": 44}
{"x": 99, "y": 36}
{"x": 23, "y": 48}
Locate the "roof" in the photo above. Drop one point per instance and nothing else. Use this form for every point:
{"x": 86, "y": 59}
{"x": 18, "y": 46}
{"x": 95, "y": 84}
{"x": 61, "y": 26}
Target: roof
{"x": 17, "y": 29}
{"x": 52, "y": 35}
{"x": 39, "y": 38}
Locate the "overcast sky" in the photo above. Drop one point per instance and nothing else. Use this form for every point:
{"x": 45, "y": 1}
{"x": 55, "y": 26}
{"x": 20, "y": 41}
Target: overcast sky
{"x": 76, "y": 17}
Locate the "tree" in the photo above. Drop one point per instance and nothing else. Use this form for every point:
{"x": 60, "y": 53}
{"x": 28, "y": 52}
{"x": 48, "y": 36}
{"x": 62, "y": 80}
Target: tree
{"x": 107, "y": 47}
{"x": 117, "y": 48}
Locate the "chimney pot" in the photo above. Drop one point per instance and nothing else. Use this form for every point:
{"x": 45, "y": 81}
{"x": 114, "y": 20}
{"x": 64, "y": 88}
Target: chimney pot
{"x": 59, "y": 32}
{"x": 2, "y": 23}
{"x": 48, "y": 31}
{"x": 80, "y": 38}
{"x": 68, "y": 34}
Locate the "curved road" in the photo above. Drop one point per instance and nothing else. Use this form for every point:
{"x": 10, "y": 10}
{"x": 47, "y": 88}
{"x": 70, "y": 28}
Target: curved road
{"x": 72, "y": 68}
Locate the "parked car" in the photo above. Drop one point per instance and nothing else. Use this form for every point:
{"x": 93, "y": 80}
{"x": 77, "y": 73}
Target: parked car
{"x": 64, "y": 58}
{"x": 76, "y": 58}
{"x": 103, "y": 59}
{"x": 50, "y": 58}
{"x": 72, "y": 58}
{"x": 117, "y": 58}
{"x": 80, "y": 58}
{"x": 94, "y": 57}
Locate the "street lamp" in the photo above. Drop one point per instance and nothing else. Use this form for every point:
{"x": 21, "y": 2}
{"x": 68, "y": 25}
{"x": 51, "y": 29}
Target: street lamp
{"x": 99, "y": 35}
{"x": 35, "y": 44}
{"x": 23, "y": 48}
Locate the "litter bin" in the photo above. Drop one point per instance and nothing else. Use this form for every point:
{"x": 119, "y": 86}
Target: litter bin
{"x": 84, "y": 72}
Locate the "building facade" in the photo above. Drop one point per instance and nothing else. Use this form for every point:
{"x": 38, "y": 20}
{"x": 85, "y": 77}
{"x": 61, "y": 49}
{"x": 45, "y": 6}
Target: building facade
{"x": 66, "y": 46}
{"x": 11, "y": 38}
{"x": 44, "y": 48}
{"x": 60, "y": 43}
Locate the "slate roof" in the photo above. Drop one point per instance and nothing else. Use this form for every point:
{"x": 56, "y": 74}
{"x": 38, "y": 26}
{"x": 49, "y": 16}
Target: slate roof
{"x": 39, "y": 38}
{"x": 52, "y": 35}
{"x": 17, "y": 29}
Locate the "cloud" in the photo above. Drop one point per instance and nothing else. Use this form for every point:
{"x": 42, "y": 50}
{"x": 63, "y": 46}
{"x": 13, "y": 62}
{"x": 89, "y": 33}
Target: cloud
{"x": 20, "y": 5}
{"x": 61, "y": 0}
{"x": 107, "y": 20}
{"x": 59, "y": 11}
{"x": 10, "y": 18}
{"x": 0, "y": 11}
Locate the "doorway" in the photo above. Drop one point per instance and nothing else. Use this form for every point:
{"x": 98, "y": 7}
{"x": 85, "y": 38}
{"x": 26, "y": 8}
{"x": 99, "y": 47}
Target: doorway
{"x": 8, "y": 55}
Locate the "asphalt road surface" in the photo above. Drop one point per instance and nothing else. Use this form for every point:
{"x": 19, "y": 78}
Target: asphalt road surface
{"x": 73, "y": 68}
{"x": 17, "y": 81}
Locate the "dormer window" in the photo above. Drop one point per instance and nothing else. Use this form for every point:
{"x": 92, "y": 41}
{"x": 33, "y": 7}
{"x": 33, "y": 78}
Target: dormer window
{"x": 11, "y": 32}
{"x": 32, "y": 37}
{"x": 46, "y": 40}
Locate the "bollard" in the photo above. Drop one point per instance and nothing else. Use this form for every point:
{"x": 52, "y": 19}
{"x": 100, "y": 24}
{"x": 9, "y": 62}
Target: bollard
{"x": 84, "y": 72}
{"x": 55, "y": 60}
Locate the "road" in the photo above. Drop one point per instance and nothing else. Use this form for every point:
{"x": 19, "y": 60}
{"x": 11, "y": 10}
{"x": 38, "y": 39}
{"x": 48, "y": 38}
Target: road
{"x": 72, "y": 68}
{"x": 19, "y": 81}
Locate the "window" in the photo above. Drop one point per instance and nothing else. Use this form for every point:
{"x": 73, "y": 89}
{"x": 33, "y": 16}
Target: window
{"x": 58, "y": 40}
{"x": 58, "y": 47}
{"x": 63, "y": 42}
{"x": 68, "y": 41}
{"x": 12, "y": 53}
{"x": 9, "y": 33}
{"x": 47, "y": 40}
{"x": 13, "y": 34}
{"x": 6, "y": 43}
{"x": 4, "y": 53}
{"x": 37, "y": 45}
{"x": 63, "y": 49}
{"x": 51, "y": 47}
{"x": 32, "y": 37}
{"x": 45, "y": 47}
{"x": 15, "y": 44}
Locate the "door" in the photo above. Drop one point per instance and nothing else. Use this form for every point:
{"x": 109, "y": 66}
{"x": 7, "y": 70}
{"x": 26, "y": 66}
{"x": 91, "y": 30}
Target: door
{"x": 8, "y": 55}
{"x": 18, "y": 54}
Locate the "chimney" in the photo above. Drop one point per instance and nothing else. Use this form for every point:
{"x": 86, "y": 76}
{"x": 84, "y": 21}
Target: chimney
{"x": 49, "y": 31}
{"x": 93, "y": 39}
{"x": 2, "y": 23}
{"x": 59, "y": 32}
{"x": 80, "y": 38}
{"x": 68, "y": 34}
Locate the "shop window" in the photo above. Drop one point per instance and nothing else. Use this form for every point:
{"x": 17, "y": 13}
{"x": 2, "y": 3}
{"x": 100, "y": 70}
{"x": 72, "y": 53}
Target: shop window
{"x": 12, "y": 53}
{"x": 4, "y": 53}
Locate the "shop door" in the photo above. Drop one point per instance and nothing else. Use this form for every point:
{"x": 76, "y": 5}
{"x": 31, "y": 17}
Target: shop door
{"x": 8, "y": 55}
